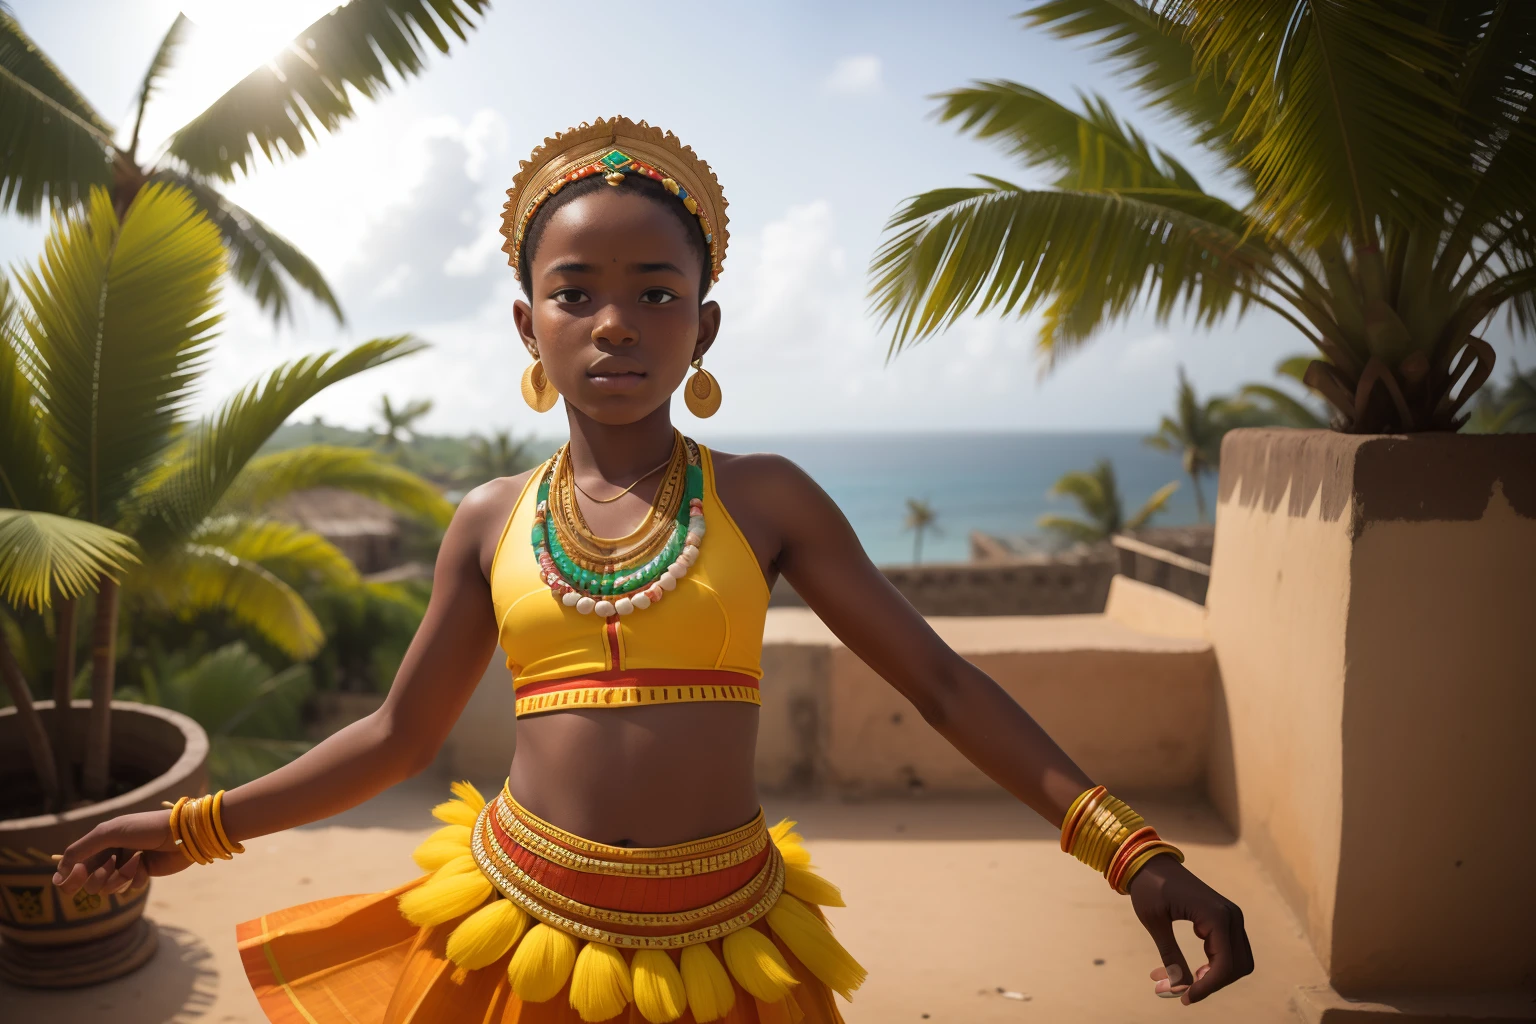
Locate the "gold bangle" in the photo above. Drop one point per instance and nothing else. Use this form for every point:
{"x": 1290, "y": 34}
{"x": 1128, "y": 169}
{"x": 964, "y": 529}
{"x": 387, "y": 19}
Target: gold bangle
{"x": 1085, "y": 816}
{"x": 1141, "y": 862}
{"x": 205, "y": 833}
{"x": 218, "y": 824}
{"x": 176, "y": 833}
{"x": 190, "y": 832}
{"x": 1068, "y": 820}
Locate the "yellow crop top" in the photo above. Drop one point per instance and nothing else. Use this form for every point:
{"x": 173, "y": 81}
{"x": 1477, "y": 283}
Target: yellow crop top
{"x": 703, "y": 643}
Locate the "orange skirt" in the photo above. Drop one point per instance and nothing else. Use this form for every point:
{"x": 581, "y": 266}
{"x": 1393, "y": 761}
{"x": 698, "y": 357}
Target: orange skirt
{"x": 521, "y": 923}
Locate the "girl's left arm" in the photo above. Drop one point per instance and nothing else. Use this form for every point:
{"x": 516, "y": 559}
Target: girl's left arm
{"x": 819, "y": 554}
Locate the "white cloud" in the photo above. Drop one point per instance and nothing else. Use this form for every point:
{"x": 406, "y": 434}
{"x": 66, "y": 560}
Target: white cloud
{"x": 858, "y": 75}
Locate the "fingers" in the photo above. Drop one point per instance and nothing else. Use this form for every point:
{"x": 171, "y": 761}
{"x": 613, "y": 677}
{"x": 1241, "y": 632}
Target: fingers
{"x": 1227, "y": 949}
{"x": 125, "y": 876}
{"x": 1173, "y": 978}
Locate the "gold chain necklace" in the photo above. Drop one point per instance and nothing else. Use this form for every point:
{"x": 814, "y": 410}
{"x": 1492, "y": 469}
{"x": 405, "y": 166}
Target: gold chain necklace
{"x": 616, "y": 497}
{"x": 598, "y": 554}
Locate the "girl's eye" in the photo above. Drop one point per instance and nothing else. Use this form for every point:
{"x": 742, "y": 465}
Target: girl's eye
{"x": 568, "y": 296}
{"x": 657, "y": 296}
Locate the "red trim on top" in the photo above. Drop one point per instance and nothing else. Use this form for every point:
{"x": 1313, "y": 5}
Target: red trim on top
{"x": 641, "y": 677}
{"x": 612, "y": 632}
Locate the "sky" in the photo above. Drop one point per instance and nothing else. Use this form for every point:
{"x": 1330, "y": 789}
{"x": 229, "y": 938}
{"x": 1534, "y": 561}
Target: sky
{"x": 816, "y": 116}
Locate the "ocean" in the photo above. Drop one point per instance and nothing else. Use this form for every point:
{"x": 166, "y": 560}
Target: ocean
{"x": 993, "y": 482}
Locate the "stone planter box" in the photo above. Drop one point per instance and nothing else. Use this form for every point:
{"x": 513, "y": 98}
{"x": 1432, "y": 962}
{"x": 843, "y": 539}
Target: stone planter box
{"x": 46, "y": 938}
{"x": 1371, "y": 606}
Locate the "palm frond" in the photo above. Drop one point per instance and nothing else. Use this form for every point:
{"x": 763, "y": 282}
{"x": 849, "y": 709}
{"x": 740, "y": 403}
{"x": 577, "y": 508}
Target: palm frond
{"x": 287, "y": 549}
{"x": 196, "y": 578}
{"x": 24, "y": 59}
{"x": 236, "y": 760}
{"x": 42, "y": 554}
{"x": 1350, "y": 118}
{"x": 1153, "y": 506}
{"x": 165, "y": 53}
{"x": 306, "y": 89}
{"x": 263, "y": 262}
{"x": 28, "y": 477}
{"x": 1294, "y": 367}
{"x": 1097, "y": 255}
{"x": 268, "y": 478}
{"x": 121, "y": 317}
{"x": 1089, "y": 151}
{"x": 194, "y": 478}
{"x": 52, "y": 155}
{"x": 1072, "y": 529}
{"x": 1286, "y": 408}
{"x": 1151, "y": 50}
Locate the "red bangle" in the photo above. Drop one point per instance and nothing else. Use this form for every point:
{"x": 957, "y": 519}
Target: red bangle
{"x": 1137, "y": 840}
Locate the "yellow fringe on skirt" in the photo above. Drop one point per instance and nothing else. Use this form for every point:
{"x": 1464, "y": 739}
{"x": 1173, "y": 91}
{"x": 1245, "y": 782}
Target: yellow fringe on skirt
{"x": 603, "y": 984}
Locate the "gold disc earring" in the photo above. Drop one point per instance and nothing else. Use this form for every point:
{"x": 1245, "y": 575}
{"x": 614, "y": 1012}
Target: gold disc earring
{"x": 702, "y": 392}
{"x": 538, "y": 392}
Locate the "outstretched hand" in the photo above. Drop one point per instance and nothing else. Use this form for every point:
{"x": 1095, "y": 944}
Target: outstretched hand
{"x": 122, "y": 853}
{"x": 1163, "y": 892}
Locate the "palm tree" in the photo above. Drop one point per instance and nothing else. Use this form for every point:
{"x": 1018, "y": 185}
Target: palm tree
{"x": 1098, "y": 494}
{"x": 1384, "y": 151}
{"x": 921, "y": 518}
{"x": 1512, "y": 411}
{"x": 1281, "y": 407}
{"x": 398, "y": 423}
{"x": 58, "y": 148}
{"x": 103, "y": 464}
{"x": 1195, "y": 431}
{"x": 497, "y": 456}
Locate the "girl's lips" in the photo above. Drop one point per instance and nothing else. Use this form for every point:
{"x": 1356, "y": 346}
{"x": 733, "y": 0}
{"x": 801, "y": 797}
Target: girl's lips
{"x": 618, "y": 383}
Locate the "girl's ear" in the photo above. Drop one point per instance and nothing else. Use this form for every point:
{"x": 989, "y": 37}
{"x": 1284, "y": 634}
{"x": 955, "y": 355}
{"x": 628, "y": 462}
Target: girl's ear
{"x": 522, "y": 316}
{"x": 709, "y": 328}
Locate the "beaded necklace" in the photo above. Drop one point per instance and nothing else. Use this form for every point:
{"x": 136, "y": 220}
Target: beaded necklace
{"x": 627, "y": 581}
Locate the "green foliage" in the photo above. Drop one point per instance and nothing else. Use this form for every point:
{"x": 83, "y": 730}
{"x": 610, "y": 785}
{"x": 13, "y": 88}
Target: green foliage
{"x": 308, "y": 88}
{"x": 1387, "y": 153}
{"x": 98, "y": 367}
{"x": 250, "y": 712}
{"x": 43, "y": 555}
{"x": 1507, "y": 410}
{"x": 58, "y": 148}
{"x": 120, "y": 319}
{"x": 367, "y": 630}
{"x": 1097, "y": 493}
{"x": 1196, "y": 428}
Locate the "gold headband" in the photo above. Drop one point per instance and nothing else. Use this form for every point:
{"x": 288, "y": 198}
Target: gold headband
{"x": 615, "y": 147}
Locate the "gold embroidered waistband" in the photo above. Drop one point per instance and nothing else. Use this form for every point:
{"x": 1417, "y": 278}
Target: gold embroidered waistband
{"x": 620, "y": 854}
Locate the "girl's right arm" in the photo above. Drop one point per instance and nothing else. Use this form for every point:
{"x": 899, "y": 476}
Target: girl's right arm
{"x": 445, "y": 661}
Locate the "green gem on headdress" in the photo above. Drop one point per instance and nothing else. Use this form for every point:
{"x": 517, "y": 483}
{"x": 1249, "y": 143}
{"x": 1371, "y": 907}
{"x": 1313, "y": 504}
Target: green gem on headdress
{"x": 615, "y": 160}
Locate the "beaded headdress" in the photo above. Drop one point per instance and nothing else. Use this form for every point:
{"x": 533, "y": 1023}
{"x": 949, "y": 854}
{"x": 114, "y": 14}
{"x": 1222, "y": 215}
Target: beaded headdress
{"x": 615, "y": 147}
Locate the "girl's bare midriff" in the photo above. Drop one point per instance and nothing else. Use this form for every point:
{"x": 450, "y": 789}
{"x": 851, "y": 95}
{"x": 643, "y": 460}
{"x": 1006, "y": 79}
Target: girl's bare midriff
{"x": 646, "y": 776}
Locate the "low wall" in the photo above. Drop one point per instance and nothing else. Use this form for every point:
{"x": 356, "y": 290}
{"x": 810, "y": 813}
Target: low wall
{"x": 831, "y": 725}
{"x": 1000, "y": 580}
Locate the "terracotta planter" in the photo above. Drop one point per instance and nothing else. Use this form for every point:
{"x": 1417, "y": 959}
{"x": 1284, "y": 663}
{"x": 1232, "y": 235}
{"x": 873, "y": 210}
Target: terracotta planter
{"x": 53, "y": 941}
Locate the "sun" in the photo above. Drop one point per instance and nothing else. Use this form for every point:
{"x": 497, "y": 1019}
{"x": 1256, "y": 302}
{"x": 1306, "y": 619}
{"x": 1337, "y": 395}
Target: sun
{"x": 234, "y": 37}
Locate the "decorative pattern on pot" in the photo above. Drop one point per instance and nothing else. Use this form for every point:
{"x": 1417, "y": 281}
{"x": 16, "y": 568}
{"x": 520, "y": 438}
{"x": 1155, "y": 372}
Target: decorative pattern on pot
{"x": 35, "y": 917}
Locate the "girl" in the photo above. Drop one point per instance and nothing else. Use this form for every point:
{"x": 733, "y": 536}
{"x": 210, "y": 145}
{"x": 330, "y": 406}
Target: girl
{"x": 626, "y": 868}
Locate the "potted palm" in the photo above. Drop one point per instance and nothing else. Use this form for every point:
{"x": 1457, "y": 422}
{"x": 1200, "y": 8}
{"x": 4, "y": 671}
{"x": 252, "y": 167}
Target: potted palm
{"x": 112, "y": 496}
{"x": 1369, "y": 593}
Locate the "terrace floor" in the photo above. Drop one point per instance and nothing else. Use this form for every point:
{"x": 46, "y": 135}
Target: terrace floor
{"x": 963, "y": 911}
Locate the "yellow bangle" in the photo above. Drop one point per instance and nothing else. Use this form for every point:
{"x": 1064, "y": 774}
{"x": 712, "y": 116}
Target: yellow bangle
{"x": 176, "y": 831}
{"x": 1141, "y": 862}
{"x": 1066, "y": 837}
{"x": 218, "y": 824}
{"x": 189, "y": 824}
{"x": 206, "y": 838}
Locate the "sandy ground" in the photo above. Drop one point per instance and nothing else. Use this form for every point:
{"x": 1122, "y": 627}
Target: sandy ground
{"x": 962, "y": 911}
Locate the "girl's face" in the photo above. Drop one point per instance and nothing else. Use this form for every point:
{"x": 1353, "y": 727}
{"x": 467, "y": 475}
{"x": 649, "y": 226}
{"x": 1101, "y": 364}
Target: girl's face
{"x": 615, "y": 314}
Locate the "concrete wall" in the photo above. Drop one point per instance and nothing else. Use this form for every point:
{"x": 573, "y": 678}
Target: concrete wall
{"x": 1057, "y": 585}
{"x": 1370, "y": 605}
{"x": 830, "y": 724}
